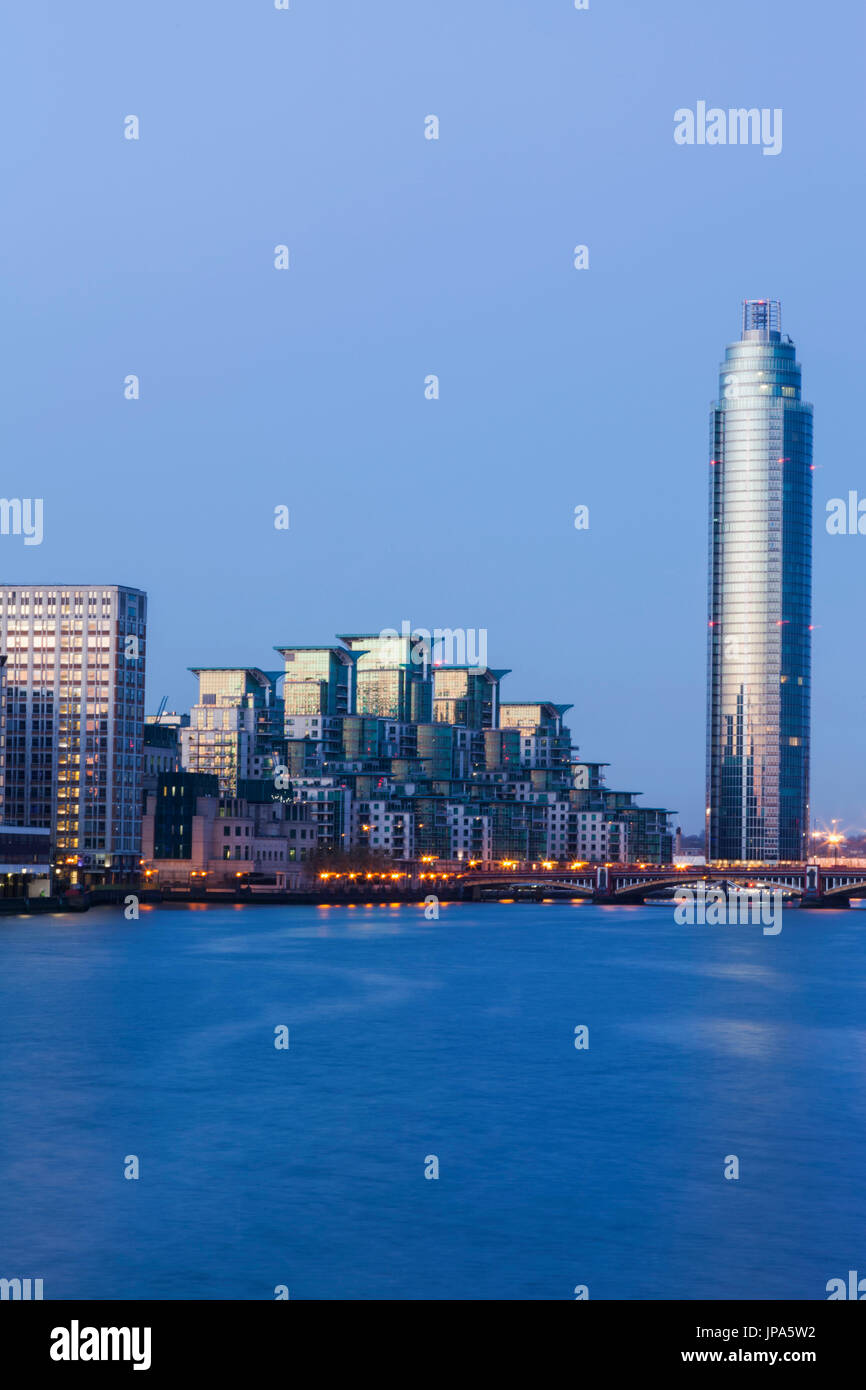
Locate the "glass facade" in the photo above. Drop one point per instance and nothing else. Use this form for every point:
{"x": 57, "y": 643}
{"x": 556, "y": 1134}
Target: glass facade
{"x": 435, "y": 744}
{"x": 760, "y": 586}
{"x": 394, "y": 679}
{"x": 545, "y": 742}
{"x": 236, "y": 729}
{"x": 74, "y": 709}
{"x": 465, "y": 695}
{"x": 318, "y": 680}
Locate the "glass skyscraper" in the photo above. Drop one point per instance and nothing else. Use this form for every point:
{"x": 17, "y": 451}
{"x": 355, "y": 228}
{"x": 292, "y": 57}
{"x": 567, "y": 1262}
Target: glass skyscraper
{"x": 760, "y": 589}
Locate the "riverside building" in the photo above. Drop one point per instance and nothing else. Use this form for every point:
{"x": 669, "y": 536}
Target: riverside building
{"x": 235, "y": 730}
{"x": 474, "y": 779}
{"x": 194, "y": 837}
{"x": 74, "y": 707}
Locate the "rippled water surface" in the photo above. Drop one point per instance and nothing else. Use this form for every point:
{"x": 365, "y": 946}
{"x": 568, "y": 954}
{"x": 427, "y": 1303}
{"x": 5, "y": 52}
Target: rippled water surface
{"x": 409, "y": 1038}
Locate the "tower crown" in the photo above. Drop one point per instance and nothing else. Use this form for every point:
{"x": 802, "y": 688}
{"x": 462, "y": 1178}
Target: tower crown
{"x": 762, "y": 320}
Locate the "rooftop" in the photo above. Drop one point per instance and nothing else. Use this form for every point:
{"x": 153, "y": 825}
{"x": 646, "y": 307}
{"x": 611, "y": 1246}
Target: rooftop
{"x": 762, "y": 319}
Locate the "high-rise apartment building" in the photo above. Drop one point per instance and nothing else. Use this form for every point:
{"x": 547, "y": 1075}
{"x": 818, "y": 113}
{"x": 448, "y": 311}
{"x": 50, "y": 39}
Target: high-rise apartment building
{"x": 394, "y": 676}
{"x": 545, "y": 741}
{"x": 318, "y": 693}
{"x": 235, "y": 731}
{"x": 74, "y": 702}
{"x": 474, "y": 779}
{"x": 318, "y": 681}
{"x": 760, "y": 583}
{"x": 467, "y": 695}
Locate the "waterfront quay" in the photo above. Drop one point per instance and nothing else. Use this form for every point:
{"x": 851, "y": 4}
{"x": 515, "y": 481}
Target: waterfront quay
{"x": 806, "y": 885}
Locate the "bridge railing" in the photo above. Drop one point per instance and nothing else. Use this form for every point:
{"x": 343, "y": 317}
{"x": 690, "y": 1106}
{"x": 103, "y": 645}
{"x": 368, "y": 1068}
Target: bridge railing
{"x": 435, "y": 867}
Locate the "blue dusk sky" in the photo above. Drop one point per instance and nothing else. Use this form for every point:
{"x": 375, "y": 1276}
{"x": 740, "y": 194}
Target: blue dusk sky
{"x": 408, "y": 257}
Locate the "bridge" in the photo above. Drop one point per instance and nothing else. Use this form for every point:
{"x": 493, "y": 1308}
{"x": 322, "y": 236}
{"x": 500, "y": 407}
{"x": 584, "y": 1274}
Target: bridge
{"x": 815, "y": 885}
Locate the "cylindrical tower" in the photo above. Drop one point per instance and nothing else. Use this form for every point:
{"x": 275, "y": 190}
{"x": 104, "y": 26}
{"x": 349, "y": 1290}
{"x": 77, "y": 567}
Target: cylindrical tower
{"x": 760, "y": 593}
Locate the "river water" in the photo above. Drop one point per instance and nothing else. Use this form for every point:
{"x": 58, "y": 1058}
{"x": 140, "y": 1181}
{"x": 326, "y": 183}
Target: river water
{"x": 304, "y": 1166}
